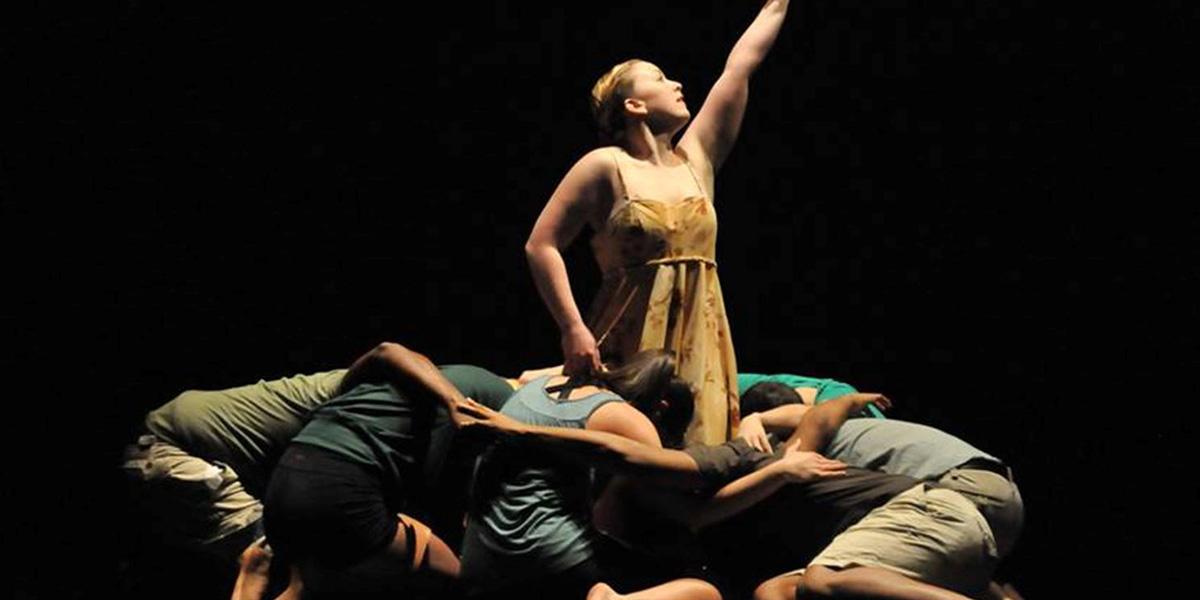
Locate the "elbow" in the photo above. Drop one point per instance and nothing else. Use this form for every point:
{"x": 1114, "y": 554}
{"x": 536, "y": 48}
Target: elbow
{"x": 392, "y": 353}
{"x": 534, "y": 249}
{"x": 385, "y": 349}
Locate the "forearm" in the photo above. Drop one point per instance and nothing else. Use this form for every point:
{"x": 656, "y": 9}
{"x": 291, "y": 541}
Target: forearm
{"x": 737, "y": 496}
{"x": 756, "y": 41}
{"x": 821, "y": 422}
{"x": 406, "y": 370}
{"x": 550, "y": 275}
{"x": 617, "y": 454}
{"x": 783, "y": 419}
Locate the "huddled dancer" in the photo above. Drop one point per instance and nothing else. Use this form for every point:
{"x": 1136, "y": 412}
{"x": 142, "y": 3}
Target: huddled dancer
{"x": 645, "y": 466}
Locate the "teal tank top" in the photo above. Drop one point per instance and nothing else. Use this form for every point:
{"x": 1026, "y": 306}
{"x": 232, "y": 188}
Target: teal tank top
{"x": 532, "y": 511}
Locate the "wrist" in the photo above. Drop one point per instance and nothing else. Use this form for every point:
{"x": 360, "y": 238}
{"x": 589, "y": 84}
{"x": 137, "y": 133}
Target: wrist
{"x": 779, "y": 471}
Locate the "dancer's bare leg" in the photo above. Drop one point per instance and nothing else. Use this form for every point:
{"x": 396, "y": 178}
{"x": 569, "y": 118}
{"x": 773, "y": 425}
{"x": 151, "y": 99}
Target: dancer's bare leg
{"x": 868, "y": 582}
{"x": 390, "y": 569}
{"x": 782, "y": 587}
{"x": 679, "y": 589}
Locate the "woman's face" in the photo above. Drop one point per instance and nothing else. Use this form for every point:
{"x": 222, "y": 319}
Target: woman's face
{"x": 661, "y": 98}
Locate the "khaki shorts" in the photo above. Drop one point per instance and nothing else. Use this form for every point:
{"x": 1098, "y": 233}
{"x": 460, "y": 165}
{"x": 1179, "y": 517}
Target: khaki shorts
{"x": 192, "y": 502}
{"x": 996, "y": 497}
{"x": 932, "y": 535}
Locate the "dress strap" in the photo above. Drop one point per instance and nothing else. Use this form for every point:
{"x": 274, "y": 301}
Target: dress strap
{"x": 620, "y": 177}
{"x": 699, "y": 186}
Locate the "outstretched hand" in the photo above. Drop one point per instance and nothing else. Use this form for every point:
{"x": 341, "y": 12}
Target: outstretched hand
{"x": 860, "y": 401}
{"x": 803, "y": 465}
{"x": 471, "y": 415}
{"x": 751, "y": 429}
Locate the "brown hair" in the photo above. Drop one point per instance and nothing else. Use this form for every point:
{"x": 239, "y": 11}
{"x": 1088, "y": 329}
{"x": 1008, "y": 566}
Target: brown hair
{"x": 645, "y": 379}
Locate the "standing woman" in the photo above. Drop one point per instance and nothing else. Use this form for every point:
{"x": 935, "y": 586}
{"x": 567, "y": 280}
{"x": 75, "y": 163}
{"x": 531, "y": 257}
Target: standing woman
{"x": 649, "y": 202}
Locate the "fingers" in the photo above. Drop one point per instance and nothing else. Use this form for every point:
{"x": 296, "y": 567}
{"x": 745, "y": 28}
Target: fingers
{"x": 824, "y": 467}
{"x": 878, "y": 400}
{"x": 472, "y": 408}
{"x": 819, "y": 460}
{"x": 584, "y": 363}
{"x": 805, "y": 466}
{"x": 830, "y": 471}
{"x": 571, "y": 366}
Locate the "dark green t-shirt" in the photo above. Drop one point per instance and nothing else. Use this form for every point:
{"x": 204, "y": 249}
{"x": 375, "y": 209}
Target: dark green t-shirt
{"x": 403, "y": 438}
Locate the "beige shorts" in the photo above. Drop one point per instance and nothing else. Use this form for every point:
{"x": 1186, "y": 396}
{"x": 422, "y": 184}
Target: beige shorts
{"x": 997, "y": 499}
{"x": 192, "y": 502}
{"x": 935, "y": 535}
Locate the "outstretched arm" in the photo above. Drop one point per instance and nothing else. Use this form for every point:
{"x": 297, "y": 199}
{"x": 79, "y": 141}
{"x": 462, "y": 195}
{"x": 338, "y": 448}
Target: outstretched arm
{"x": 697, "y": 513}
{"x": 606, "y": 451}
{"x": 407, "y": 370}
{"x": 715, "y": 128}
{"x": 821, "y": 422}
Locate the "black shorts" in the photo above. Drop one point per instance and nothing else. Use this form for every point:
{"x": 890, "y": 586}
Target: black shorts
{"x": 319, "y": 505}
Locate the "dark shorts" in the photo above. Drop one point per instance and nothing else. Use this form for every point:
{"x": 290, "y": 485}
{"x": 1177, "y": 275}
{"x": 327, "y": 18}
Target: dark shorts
{"x": 319, "y": 505}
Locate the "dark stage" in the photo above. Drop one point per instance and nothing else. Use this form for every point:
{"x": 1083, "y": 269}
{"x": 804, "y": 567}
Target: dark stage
{"x": 977, "y": 208}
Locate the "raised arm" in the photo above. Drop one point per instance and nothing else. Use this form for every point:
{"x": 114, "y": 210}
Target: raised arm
{"x": 715, "y": 128}
{"x": 697, "y": 513}
{"x": 569, "y": 208}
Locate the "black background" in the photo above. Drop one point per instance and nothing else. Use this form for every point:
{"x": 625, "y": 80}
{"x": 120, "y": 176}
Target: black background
{"x": 982, "y": 209}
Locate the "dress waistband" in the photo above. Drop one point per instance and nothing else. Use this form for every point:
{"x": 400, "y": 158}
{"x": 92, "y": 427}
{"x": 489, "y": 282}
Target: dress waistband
{"x": 670, "y": 260}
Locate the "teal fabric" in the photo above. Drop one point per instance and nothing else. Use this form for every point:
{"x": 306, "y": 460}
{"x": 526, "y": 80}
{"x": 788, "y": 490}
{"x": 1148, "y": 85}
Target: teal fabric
{"x": 534, "y": 519}
{"x": 377, "y": 426}
{"x": 827, "y": 389}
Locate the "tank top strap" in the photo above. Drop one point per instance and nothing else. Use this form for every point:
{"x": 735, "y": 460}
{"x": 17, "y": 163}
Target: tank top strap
{"x": 568, "y": 412}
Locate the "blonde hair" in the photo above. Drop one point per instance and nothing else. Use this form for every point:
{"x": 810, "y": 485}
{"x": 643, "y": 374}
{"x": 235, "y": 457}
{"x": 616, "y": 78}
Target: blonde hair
{"x": 608, "y": 99}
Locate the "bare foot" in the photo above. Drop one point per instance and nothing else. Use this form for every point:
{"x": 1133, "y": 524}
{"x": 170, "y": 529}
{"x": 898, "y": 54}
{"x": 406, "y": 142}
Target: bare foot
{"x": 1010, "y": 592}
{"x": 601, "y": 591}
{"x": 1006, "y": 591}
{"x": 253, "y": 575}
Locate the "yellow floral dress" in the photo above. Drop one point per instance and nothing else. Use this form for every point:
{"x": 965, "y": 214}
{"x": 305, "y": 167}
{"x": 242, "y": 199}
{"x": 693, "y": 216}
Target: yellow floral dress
{"x": 661, "y": 290}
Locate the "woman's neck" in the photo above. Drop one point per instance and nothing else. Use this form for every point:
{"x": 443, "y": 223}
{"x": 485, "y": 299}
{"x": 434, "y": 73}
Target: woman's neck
{"x": 655, "y": 149}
